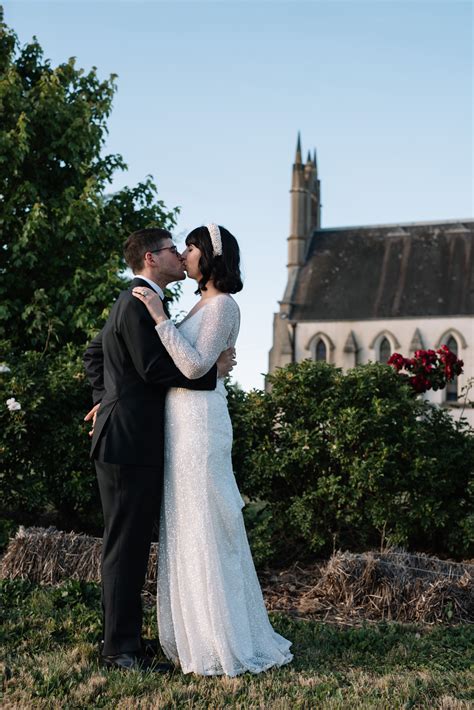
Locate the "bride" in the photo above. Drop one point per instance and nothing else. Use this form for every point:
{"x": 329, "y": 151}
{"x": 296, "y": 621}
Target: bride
{"x": 211, "y": 614}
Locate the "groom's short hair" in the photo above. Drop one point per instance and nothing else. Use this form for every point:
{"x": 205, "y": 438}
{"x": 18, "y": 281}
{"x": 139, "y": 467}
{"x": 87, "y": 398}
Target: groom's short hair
{"x": 141, "y": 241}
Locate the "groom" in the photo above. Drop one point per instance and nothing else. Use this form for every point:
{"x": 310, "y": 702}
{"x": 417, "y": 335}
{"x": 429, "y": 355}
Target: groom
{"x": 130, "y": 372}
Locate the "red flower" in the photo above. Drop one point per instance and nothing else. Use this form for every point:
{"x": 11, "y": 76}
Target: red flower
{"x": 431, "y": 369}
{"x": 397, "y": 360}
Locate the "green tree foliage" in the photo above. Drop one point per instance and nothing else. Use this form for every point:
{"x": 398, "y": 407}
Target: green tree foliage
{"x": 351, "y": 460}
{"x": 61, "y": 265}
{"x": 62, "y": 235}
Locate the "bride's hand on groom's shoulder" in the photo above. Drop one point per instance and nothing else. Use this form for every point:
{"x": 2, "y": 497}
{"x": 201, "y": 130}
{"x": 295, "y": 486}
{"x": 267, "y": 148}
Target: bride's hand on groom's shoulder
{"x": 92, "y": 415}
{"x": 226, "y": 362}
{"x": 152, "y": 301}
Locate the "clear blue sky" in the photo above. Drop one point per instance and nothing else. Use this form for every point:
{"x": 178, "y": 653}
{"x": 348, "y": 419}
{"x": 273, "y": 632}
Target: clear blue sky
{"x": 211, "y": 96}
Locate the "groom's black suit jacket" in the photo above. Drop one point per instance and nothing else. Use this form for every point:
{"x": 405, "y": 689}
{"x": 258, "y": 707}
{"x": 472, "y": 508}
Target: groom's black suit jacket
{"x": 130, "y": 372}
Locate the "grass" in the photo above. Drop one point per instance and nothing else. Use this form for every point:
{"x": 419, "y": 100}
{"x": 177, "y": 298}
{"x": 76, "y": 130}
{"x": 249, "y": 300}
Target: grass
{"x": 49, "y": 652}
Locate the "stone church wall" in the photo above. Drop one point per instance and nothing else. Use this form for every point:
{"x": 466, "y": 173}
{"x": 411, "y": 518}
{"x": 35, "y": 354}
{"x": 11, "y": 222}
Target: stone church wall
{"x": 367, "y": 336}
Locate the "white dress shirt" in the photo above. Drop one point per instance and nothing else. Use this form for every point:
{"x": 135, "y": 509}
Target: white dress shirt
{"x": 153, "y": 285}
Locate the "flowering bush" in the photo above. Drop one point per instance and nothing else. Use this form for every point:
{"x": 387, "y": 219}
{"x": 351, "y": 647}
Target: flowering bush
{"x": 429, "y": 369}
{"x": 13, "y": 405}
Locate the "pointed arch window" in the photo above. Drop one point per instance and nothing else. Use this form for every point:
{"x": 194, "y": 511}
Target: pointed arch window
{"x": 320, "y": 351}
{"x": 452, "y": 387}
{"x": 320, "y": 347}
{"x": 385, "y": 350}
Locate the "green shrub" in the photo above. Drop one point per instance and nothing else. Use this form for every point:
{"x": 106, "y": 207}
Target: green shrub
{"x": 351, "y": 460}
{"x": 46, "y": 474}
{"x": 7, "y": 530}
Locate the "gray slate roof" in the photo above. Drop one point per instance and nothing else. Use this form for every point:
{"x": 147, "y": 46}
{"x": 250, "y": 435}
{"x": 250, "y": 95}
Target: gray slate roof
{"x": 387, "y": 271}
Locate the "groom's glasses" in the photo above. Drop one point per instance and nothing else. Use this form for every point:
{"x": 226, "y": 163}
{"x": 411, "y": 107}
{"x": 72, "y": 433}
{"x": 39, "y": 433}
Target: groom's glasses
{"x": 173, "y": 250}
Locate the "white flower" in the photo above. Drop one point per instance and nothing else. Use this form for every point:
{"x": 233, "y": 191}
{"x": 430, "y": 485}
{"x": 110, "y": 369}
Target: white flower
{"x": 13, "y": 405}
{"x": 4, "y": 368}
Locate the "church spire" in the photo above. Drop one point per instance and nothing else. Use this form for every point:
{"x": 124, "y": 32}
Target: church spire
{"x": 297, "y": 181}
{"x": 305, "y": 220}
{"x": 305, "y": 207}
{"x": 298, "y": 158}
{"x": 299, "y": 210}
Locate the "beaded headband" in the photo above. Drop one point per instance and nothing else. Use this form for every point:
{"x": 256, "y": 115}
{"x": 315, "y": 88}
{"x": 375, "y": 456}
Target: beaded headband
{"x": 215, "y": 234}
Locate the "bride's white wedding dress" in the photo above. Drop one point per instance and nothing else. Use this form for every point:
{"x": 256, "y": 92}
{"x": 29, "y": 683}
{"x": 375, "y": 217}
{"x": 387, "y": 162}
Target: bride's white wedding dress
{"x": 211, "y": 614}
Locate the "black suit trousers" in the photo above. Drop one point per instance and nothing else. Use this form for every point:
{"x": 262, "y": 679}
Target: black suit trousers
{"x": 131, "y": 500}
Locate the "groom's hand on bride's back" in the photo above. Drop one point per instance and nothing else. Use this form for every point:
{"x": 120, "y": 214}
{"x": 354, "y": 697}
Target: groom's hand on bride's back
{"x": 226, "y": 362}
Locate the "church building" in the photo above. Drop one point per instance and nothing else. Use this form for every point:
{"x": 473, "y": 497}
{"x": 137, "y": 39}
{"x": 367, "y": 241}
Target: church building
{"x": 359, "y": 294}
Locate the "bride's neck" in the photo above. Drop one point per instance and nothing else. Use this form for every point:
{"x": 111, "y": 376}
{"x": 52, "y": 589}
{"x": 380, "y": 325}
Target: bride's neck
{"x": 210, "y": 291}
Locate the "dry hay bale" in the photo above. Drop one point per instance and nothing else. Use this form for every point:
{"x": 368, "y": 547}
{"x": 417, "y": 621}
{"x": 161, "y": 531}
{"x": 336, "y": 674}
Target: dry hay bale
{"x": 447, "y": 599}
{"x": 49, "y": 556}
{"x": 393, "y": 585}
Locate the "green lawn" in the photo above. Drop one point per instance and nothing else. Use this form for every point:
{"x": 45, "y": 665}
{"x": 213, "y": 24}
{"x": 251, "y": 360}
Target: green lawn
{"x": 49, "y": 638}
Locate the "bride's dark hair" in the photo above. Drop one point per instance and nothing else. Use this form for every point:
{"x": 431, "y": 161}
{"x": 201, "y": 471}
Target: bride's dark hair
{"x": 224, "y": 270}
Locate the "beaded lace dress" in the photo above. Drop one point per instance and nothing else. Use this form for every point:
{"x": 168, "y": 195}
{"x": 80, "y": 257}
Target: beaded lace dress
{"x": 211, "y": 614}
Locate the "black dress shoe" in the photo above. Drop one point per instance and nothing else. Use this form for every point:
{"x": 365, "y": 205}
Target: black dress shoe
{"x": 135, "y": 662}
{"x": 151, "y": 648}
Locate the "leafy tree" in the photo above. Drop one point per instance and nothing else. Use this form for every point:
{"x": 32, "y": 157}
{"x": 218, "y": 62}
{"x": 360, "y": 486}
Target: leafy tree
{"x": 62, "y": 235}
{"x": 61, "y": 267}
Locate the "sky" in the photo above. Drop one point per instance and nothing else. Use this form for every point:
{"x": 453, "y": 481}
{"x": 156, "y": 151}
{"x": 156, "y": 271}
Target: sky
{"x": 211, "y": 96}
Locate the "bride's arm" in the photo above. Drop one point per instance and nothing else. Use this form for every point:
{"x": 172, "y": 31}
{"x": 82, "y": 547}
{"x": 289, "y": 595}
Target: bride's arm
{"x": 219, "y": 319}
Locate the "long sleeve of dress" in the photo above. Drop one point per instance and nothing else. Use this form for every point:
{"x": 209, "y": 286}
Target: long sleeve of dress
{"x": 149, "y": 356}
{"x": 218, "y": 330}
